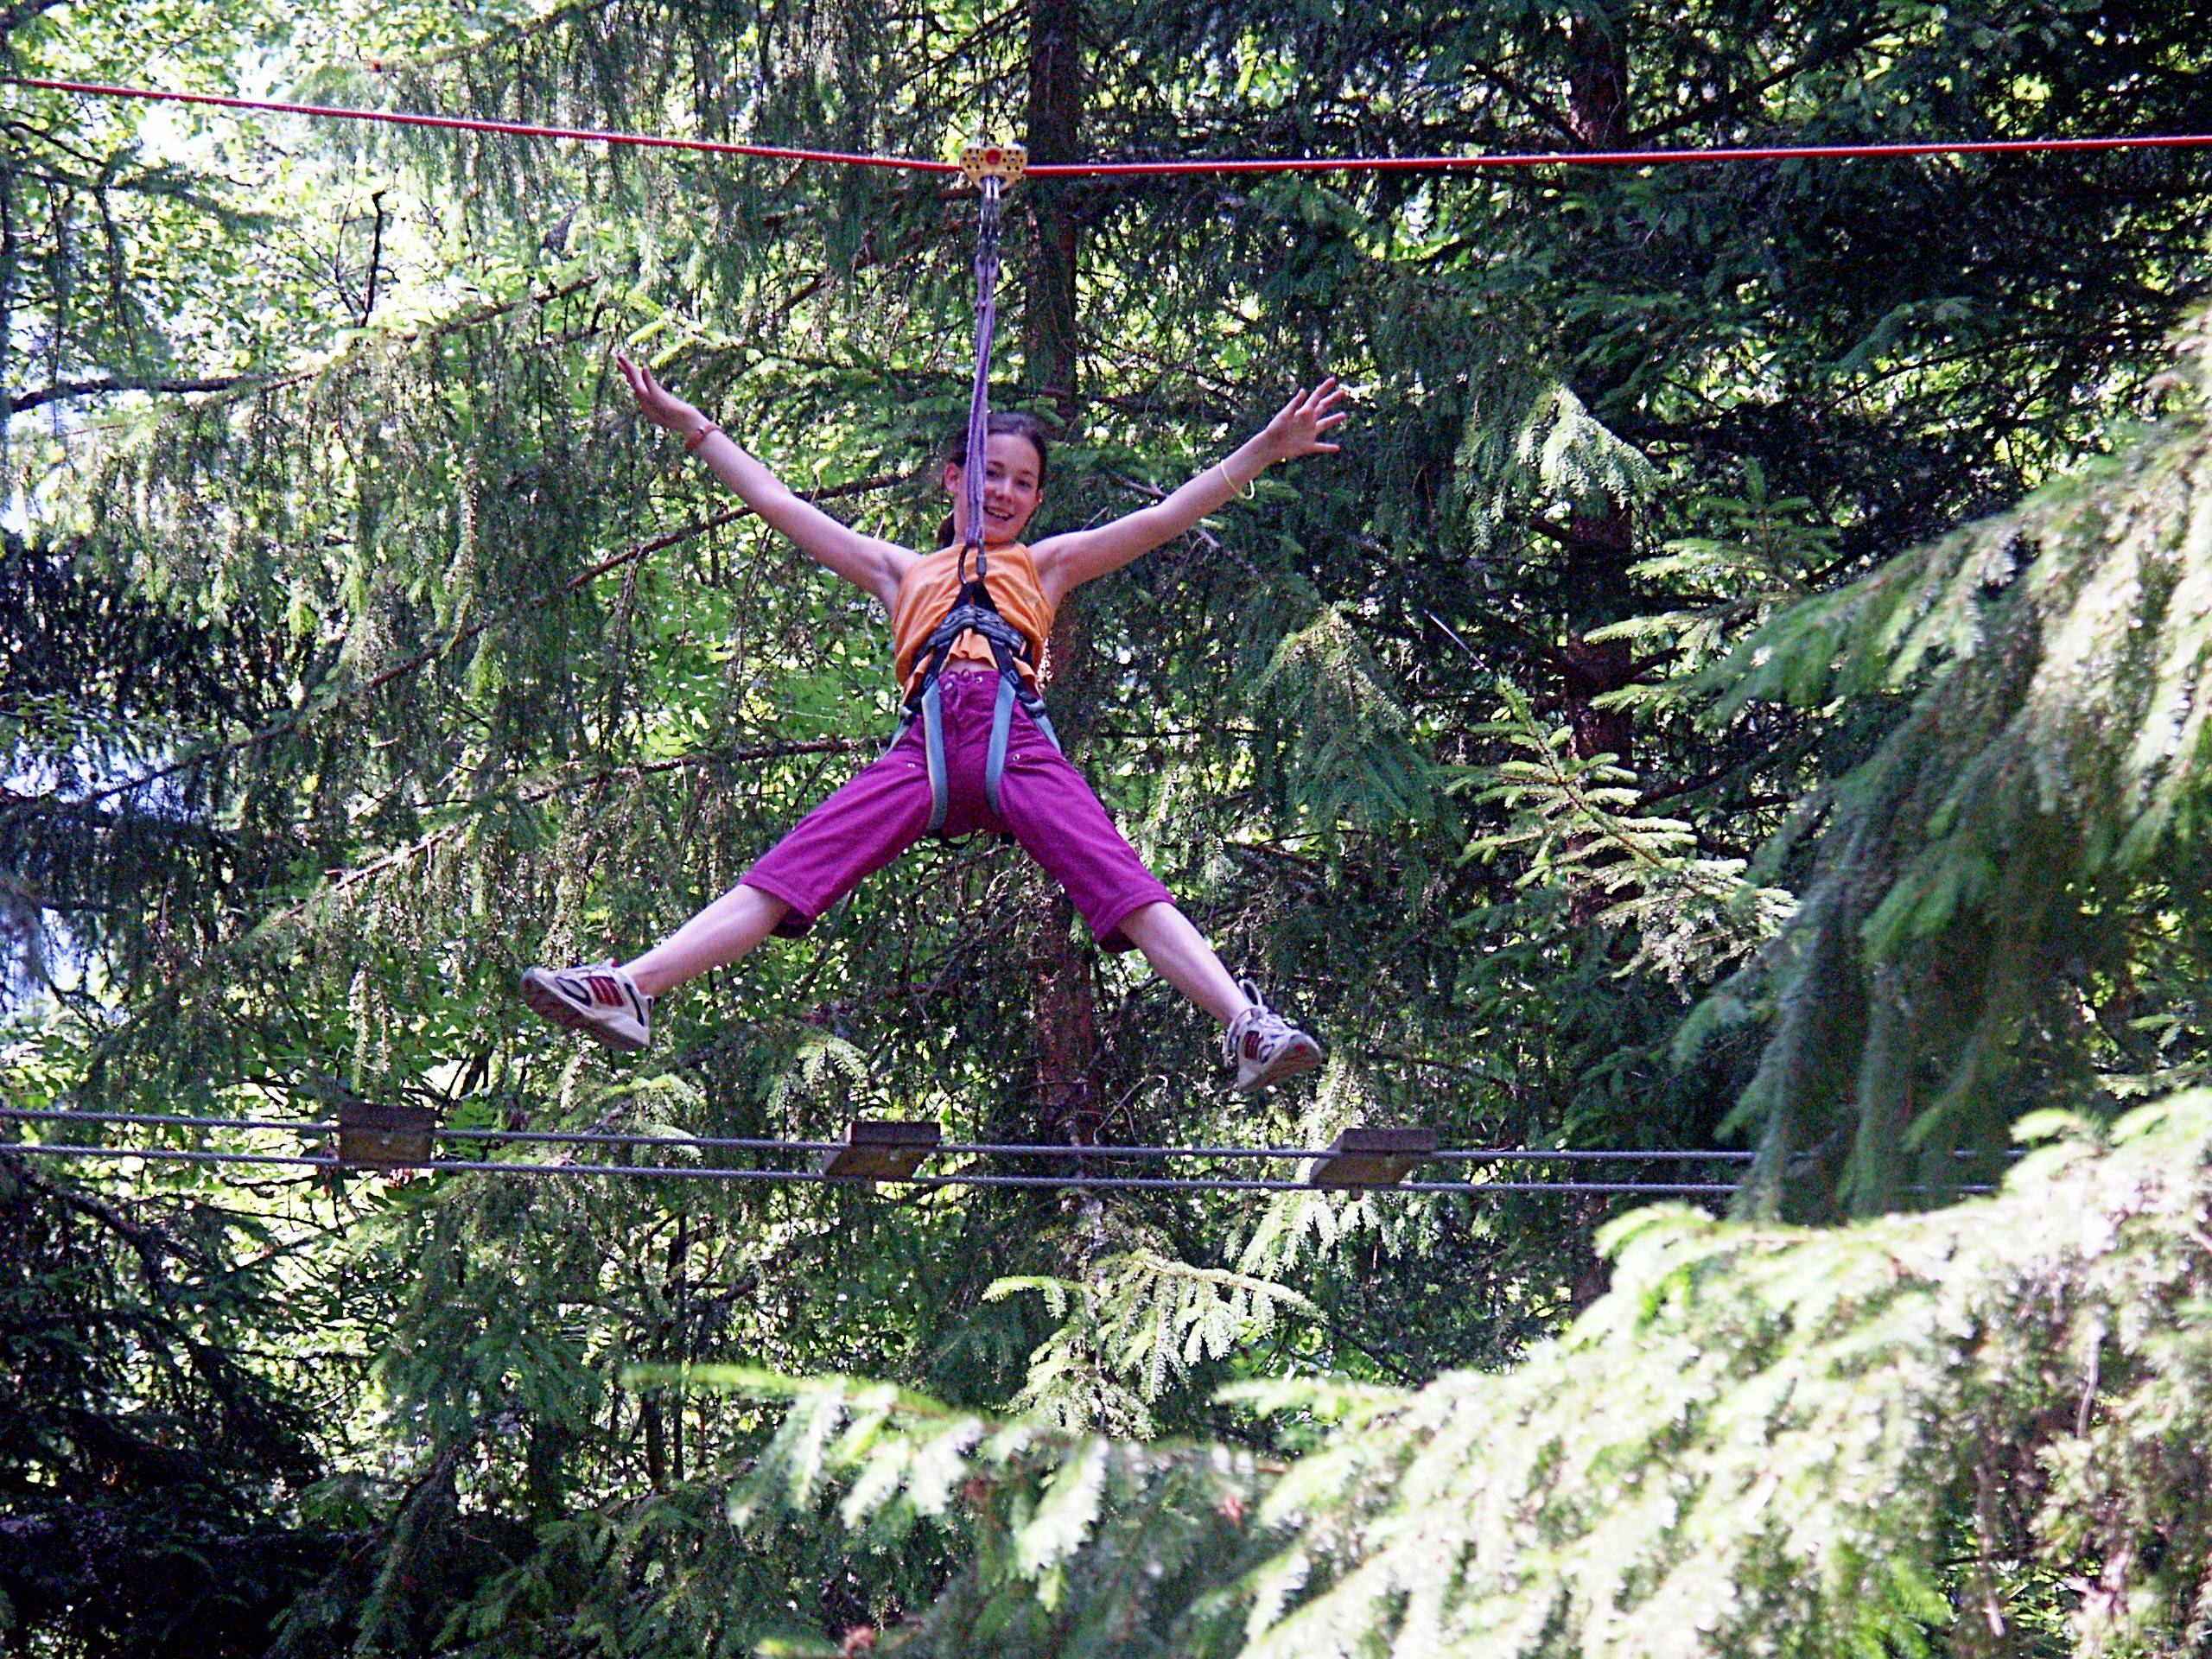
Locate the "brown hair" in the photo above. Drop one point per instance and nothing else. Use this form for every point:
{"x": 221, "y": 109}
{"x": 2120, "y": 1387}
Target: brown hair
{"x": 1021, "y": 425}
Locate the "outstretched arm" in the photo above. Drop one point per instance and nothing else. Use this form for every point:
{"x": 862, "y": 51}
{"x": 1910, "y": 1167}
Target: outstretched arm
{"x": 864, "y": 561}
{"x": 1067, "y": 562}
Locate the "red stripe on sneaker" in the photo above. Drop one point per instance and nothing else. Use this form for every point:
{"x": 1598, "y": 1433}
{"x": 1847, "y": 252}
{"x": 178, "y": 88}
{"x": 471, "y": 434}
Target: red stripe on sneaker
{"x": 604, "y": 990}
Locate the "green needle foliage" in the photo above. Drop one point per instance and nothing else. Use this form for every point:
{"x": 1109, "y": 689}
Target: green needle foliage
{"x": 1577, "y": 828}
{"x": 359, "y": 647}
{"x": 1980, "y": 1431}
{"x": 2006, "y": 896}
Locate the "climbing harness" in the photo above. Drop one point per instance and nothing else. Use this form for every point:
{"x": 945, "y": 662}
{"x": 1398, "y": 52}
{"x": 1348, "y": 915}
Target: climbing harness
{"x": 990, "y": 168}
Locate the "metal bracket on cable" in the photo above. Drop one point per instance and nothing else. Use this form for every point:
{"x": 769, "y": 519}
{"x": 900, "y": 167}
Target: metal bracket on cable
{"x": 993, "y": 169}
{"x": 988, "y": 159}
{"x": 1366, "y": 1157}
{"x": 880, "y": 1150}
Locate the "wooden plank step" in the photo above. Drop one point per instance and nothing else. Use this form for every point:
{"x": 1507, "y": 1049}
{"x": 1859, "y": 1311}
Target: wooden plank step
{"x": 371, "y": 1136}
{"x": 1371, "y": 1156}
{"x": 880, "y": 1150}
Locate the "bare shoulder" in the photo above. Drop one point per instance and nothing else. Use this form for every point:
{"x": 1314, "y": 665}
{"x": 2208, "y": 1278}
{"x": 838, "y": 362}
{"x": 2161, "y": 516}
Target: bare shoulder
{"x": 1054, "y": 558}
{"x": 894, "y": 561}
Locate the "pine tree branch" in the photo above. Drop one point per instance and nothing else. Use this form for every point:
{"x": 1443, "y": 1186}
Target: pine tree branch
{"x": 1389, "y": 1359}
{"x": 960, "y": 47}
{"x": 251, "y": 385}
{"x": 48, "y": 135}
{"x": 149, "y": 1246}
{"x": 1654, "y": 796}
{"x": 1729, "y": 103}
{"x": 1512, "y": 633}
{"x": 497, "y": 308}
{"x": 1542, "y": 111}
{"x": 1559, "y": 533}
{"x": 294, "y": 720}
{"x": 341, "y": 880}
{"x": 65, "y": 389}
{"x": 499, "y": 38}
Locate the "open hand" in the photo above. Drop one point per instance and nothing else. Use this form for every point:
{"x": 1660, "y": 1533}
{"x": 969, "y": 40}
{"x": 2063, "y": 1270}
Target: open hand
{"x": 656, "y": 402}
{"x": 1297, "y": 428}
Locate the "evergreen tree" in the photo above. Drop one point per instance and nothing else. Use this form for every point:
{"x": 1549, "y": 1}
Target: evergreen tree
{"x": 2004, "y": 897}
{"x": 340, "y": 690}
{"x": 1977, "y": 1431}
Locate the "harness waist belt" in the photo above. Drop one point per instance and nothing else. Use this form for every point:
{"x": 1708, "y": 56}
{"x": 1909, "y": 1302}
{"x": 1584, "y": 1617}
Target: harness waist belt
{"x": 972, "y": 613}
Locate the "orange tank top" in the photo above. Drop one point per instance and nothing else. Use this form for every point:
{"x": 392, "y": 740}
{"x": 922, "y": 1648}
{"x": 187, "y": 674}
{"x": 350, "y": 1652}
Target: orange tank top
{"x": 932, "y": 583}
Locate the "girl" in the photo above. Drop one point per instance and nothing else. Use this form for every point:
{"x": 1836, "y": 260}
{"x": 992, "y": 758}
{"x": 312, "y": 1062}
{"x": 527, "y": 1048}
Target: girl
{"x": 1030, "y": 792}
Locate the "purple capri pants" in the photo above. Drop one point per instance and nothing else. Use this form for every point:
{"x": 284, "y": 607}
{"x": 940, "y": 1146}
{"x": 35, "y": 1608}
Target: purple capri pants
{"x": 885, "y": 809}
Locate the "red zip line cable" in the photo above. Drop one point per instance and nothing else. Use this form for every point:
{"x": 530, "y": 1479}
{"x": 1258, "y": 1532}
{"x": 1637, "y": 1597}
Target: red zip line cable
{"x": 469, "y": 124}
{"x": 1141, "y": 169}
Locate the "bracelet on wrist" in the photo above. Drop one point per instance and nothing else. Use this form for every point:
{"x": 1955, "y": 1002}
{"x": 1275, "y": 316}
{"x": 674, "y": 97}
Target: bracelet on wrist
{"x": 691, "y": 444}
{"x": 1246, "y": 489}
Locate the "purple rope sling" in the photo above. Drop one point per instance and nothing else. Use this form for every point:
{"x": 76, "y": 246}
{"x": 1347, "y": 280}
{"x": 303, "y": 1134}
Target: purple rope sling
{"x": 979, "y": 404}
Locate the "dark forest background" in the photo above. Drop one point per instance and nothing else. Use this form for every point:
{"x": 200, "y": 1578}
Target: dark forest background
{"x": 1742, "y": 684}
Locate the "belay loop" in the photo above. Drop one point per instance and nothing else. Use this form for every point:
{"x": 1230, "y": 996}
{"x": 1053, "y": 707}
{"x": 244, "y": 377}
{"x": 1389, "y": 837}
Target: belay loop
{"x": 973, "y": 611}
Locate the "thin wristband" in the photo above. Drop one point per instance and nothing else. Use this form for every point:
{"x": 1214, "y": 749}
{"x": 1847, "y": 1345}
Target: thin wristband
{"x": 691, "y": 444}
{"x": 1248, "y": 490}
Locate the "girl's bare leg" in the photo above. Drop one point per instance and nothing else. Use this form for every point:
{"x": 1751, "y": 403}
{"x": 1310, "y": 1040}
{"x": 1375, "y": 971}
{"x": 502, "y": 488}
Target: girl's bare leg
{"x": 717, "y": 936}
{"x": 1179, "y": 954}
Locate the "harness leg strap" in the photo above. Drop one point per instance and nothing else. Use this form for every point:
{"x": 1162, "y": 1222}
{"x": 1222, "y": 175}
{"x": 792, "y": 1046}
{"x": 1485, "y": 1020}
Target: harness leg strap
{"x": 933, "y": 740}
{"x": 1011, "y": 692}
{"x": 1035, "y": 705}
{"x": 1001, "y": 724}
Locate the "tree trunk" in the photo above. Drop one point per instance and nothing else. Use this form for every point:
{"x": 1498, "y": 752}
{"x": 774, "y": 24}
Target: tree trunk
{"x": 1596, "y": 91}
{"x": 1051, "y": 345}
{"x": 1601, "y": 540}
{"x": 1601, "y": 544}
{"x": 1067, "y": 1015}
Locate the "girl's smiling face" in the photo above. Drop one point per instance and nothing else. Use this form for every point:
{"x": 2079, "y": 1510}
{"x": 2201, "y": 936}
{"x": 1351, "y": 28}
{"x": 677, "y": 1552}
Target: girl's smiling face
{"x": 1013, "y": 483}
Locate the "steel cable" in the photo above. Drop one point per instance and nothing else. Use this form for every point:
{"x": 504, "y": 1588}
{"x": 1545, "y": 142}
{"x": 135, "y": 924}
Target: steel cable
{"x": 1142, "y": 168}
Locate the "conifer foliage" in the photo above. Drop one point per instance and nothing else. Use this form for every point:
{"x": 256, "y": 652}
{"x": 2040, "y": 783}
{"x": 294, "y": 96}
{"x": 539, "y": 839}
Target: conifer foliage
{"x": 2005, "y": 894}
{"x": 1982, "y": 1430}
{"x": 359, "y": 646}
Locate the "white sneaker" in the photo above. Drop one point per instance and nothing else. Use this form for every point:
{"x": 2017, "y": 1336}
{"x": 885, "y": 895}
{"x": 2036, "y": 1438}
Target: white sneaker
{"x": 599, "y": 1000}
{"x": 1265, "y": 1047}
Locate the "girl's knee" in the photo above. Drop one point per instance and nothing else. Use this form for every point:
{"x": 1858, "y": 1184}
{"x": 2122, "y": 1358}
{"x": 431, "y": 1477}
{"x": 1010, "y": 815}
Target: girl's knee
{"x": 1142, "y": 922}
{"x": 771, "y": 907}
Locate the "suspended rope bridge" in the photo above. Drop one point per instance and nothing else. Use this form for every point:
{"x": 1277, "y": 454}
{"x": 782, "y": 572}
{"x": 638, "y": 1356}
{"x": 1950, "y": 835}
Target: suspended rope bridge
{"x": 1339, "y": 1167}
{"x": 828, "y": 1151}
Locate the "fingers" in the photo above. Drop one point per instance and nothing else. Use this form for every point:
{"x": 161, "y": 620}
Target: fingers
{"x": 649, "y": 392}
{"x": 1305, "y": 404}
